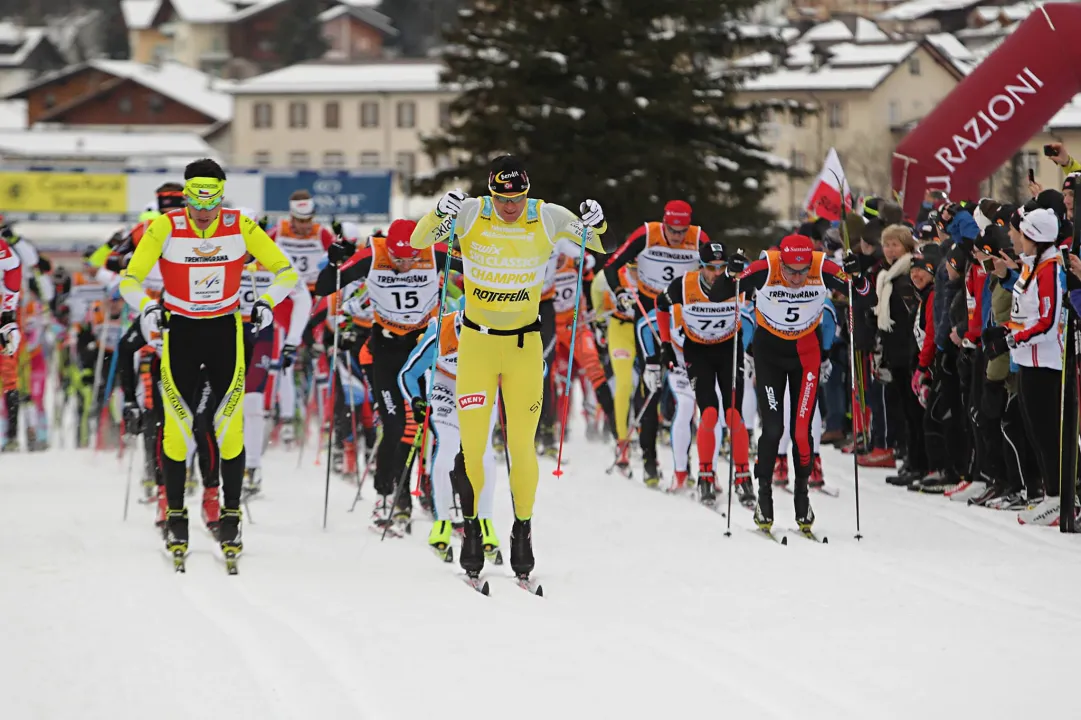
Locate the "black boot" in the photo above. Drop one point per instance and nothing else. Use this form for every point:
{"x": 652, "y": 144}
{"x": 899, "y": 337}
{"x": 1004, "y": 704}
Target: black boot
{"x": 11, "y": 403}
{"x": 521, "y": 548}
{"x": 707, "y": 495}
{"x": 176, "y": 530}
{"x": 651, "y": 472}
{"x": 805, "y": 516}
{"x": 471, "y": 557}
{"x": 763, "y": 512}
{"x": 229, "y": 531}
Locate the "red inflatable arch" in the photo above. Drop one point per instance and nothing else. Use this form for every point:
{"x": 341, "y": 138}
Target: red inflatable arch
{"x": 1008, "y": 98}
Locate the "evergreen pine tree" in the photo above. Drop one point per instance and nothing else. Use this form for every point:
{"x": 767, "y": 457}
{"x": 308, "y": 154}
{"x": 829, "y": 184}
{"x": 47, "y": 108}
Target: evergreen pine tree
{"x": 629, "y": 102}
{"x": 300, "y": 34}
{"x": 114, "y": 31}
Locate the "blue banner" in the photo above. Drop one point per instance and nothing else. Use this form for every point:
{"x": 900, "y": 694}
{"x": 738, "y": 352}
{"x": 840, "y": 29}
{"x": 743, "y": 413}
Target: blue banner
{"x": 342, "y": 193}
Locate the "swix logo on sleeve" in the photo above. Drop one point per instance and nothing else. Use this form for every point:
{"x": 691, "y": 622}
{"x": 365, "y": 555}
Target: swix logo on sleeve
{"x": 472, "y": 401}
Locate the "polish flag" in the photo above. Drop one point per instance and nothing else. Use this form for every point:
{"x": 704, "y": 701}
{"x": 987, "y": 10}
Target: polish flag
{"x": 824, "y": 197}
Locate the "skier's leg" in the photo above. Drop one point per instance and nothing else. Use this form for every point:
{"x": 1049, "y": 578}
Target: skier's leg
{"x": 480, "y": 358}
{"x": 491, "y": 468}
{"x": 444, "y": 428}
{"x": 680, "y": 386}
{"x": 226, "y": 368}
{"x": 522, "y": 390}
{"x": 389, "y": 402}
{"x": 621, "y": 346}
{"x": 255, "y": 383}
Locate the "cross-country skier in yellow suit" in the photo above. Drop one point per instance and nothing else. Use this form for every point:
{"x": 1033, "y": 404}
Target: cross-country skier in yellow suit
{"x": 506, "y": 239}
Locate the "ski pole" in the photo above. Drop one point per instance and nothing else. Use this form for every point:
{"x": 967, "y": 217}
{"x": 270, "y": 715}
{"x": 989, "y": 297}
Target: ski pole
{"x": 435, "y": 355}
{"x": 404, "y": 479}
{"x": 333, "y": 370}
{"x": 353, "y": 423}
{"x": 99, "y": 362}
{"x": 851, "y": 352}
{"x": 736, "y": 340}
{"x": 570, "y": 355}
{"x": 127, "y": 487}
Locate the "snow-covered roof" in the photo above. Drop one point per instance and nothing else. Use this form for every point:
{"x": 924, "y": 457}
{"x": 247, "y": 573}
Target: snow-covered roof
{"x": 1013, "y": 13}
{"x": 836, "y": 30}
{"x": 916, "y": 9}
{"x": 950, "y": 46}
{"x": 1068, "y": 117}
{"x": 758, "y": 30}
{"x": 255, "y": 9}
{"x": 204, "y": 11}
{"x": 13, "y": 114}
{"x": 186, "y": 85}
{"x": 401, "y": 77}
{"x": 374, "y": 18}
{"x": 852, "y": 54}
{"x": 361, "y": 3}
{"x": 13, "y": 35}
{"x": 139, "y": 14}
{"x": 73, "y": 143}
{"x": 990, "y": 30}
{"x": 830, "y": 78}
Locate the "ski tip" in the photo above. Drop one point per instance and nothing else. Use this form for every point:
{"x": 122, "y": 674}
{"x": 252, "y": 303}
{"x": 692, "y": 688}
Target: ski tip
{"x": 485, "y": 589}
{"x": 784, "y": 540}
{"x": 540, "y": 591}
{"x": 825, "y": 541}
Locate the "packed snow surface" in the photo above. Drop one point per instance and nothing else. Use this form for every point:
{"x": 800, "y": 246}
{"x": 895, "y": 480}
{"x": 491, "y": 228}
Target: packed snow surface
{"x": 649, "y": 610}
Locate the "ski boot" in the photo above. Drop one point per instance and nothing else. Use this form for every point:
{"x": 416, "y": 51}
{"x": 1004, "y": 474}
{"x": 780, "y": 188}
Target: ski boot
{"x": 337, "y": 460}
{"x": 403, "y": 514}
{"x": 381, "y": 512}
{"x": 211, "y": 510}
{"x": 679, "y": 482}
{"x": 780, "y": 471}
{"x": 593, "y": 432}
{"x": 763, "y": 511}
{"x": 150, "y": 490}
{"x": 229, "y": 537}
{"x": 652, "y": 474}
{"x": 817, "y": 480}
{"x": 623, "y": 457}
{"x": 521, "y": 548}
{"x": 471, "y": 557}
{"x": 707, "y": 495}
{"x": 10, "y": 445}
{"x": 745, "y": 487}
{"x": 176, "y": 536}
{"x": 163, "y": 509}
{"x": 287, "y": 434}
{"x": 439, "y": 540}
{"x": 253, "y": 481}
{"x": 490, "y": 541}
{"x": 805, "y": 516}
{"x": 426, "y": 499}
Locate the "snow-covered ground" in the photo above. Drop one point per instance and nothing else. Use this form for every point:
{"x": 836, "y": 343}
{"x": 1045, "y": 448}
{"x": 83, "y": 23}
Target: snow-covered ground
{"x": 650, "y": 612}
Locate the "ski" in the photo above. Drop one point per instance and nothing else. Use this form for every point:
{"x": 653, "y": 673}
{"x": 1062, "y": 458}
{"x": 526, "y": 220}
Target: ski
{"x": 809, "y": 534}
{"x": 831, "y": 492}
{"x": 530, "y": 586}
{"x": 231, "y": 558}
{"x": 445, "y": 554}
{"x": 477, "y": 584}
{"x": 768, "y": 533}
{"x": 495, "y": 557}
{"x": 392, "y": 531}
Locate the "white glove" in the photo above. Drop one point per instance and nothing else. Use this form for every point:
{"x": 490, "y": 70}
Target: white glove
{"x": 652, "y": 377}
{"x": 451, "y": 202}
{"x": 262, "y": 315}
{"x": 10, "y": 337}
{"x": 151, "y": 321}
{"x": 592, "y": 214}
{"x": 824, "y": 371}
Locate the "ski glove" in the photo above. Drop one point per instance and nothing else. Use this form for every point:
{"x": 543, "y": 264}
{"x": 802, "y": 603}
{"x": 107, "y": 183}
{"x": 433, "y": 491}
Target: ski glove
{"x": 133, "y": 417}
{"x": 346, "y": 338}
{"x": 10, "y": 337}
{"x": 924, "y": 396}
{"x": 262, "y": 315}
{"x": 592, "y": 214}
{"x": 339, "y": 251}
{"x": 652, "y": 376}
{"x": 921, "y": 377}
{"x": 625, "y": 299}
{"x": 151, "y": 321}
{"x": 737, "y": 263}
{"x": 668, "y": 356}
{"x": 995, "y": 343}
{"x": 824, "y": 371}
{"x": 289, "y": 356}
{"x": 420, "y": 410}
{"x": 451, "y": 203}
{"x": 851, "y": 263}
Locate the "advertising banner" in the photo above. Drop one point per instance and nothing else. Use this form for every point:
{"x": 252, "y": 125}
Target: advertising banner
{"x": 342, "y": 193}
{"x": 63, "y": 193}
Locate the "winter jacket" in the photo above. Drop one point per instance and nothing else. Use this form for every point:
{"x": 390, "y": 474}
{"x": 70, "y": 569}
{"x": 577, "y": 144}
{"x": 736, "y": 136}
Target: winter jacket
{"x": 865, "y": 326}
{"x": 895, "y": 304}
{"x": 1037, "y": 308}
{"x": 1001, "y": 302}
{"x": 923, "y": 328}
{"x": 963, "y": 227}
{"x": 943, "y": 298}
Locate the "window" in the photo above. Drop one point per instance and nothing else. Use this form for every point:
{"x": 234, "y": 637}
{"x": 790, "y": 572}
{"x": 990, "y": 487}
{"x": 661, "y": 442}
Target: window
{"x": 799, "y": 161}
{"x": 1030, "y": 160}
{"x": 50, "y": 100}
{"x": 334, "y": 159}
{"x": 407, "y": 114}
{"x": 894, "y": 113}
{"x": 124, "y": 105}
{"x": 331, "y": 113}
{"x": 406, "y": 164}
{"x": 369, "y": 159}
{"x": 444, "y": 115}
{"x": 913, "y": 65}
{"x": 369, "y": 114}
{"x": 262, "y": 115}
{"x": 156, "y": 103}
{"x": 298, "y": 159}
{"x": 261, "y": 158}
{"x": 835, "y": 114}
{"x": 298, "y": 115}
